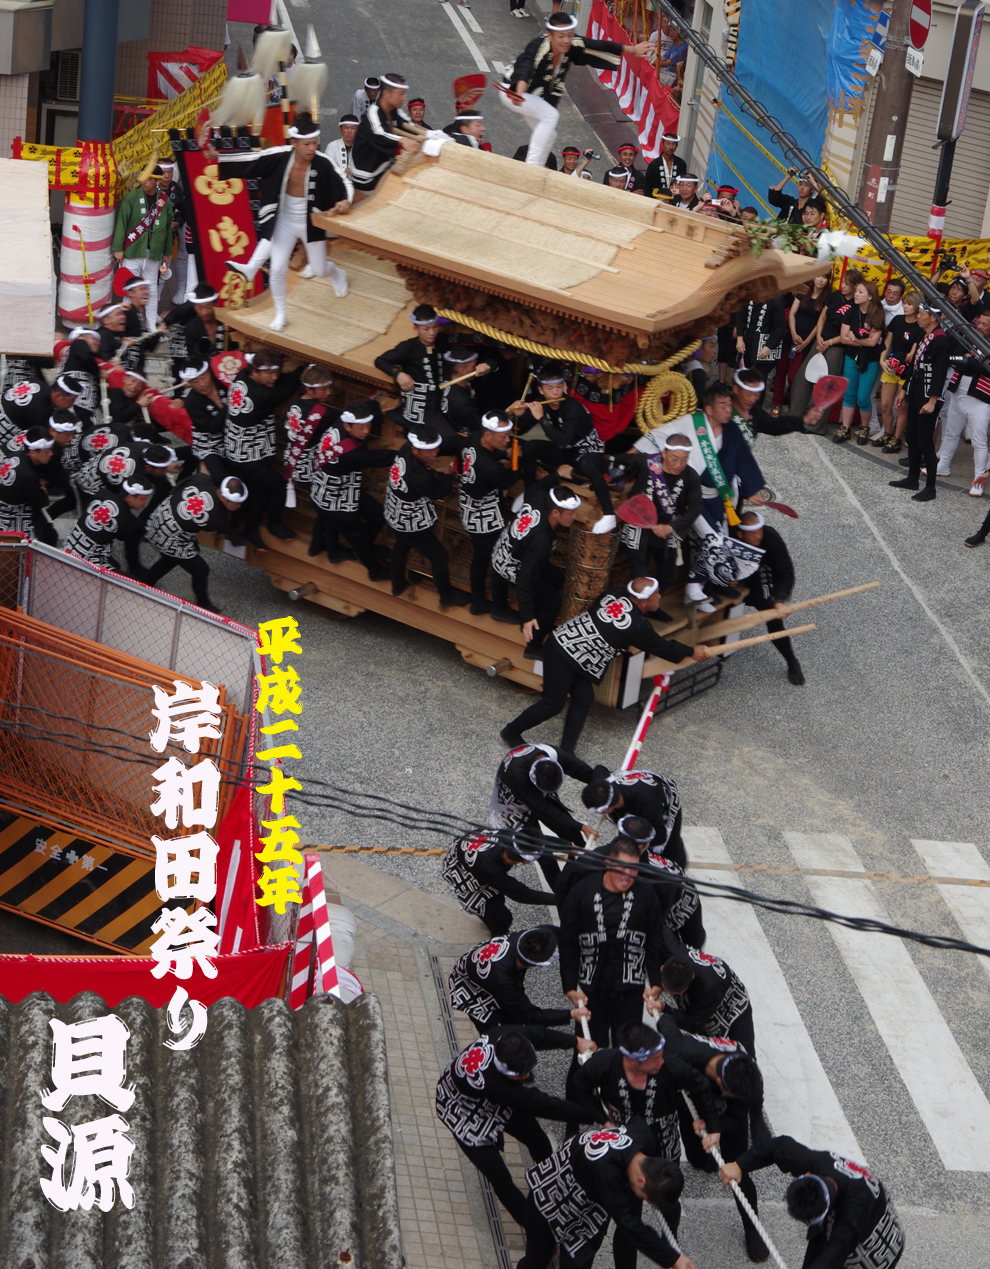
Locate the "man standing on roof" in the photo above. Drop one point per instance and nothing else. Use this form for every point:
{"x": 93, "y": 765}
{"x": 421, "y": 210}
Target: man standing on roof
{"x": 536, "y": 81}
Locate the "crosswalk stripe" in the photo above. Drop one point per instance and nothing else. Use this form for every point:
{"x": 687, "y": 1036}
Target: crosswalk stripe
{"x": 970, "y": 905}
{"x": 948, "y": 1098}
{"x": 800, "y": 1100}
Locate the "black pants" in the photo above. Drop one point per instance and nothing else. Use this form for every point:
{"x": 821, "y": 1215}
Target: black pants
{"x": 217, "y": 467}
{"x": 562, "y": 679}
{"x": 547, "y": 598}
{"x": 919, "y": 432}
{"x": 783, "y": 646}
{"x": 197, "y": 568}
{"x": 674, "y": 848}
{"x": 359, "y": 528}
{"x": 266, "y": 493}
{"x": 497, "y": 916}
{"x": 540, "y": 1242}
{"x": 482, "y": 545}
{"x": 743, "y": 1032}
{"x": 655, "y": 558}
{"x": 732, "y": 1143}
{"x": 428, "y": 544}
{"x": 490, "y": 1162}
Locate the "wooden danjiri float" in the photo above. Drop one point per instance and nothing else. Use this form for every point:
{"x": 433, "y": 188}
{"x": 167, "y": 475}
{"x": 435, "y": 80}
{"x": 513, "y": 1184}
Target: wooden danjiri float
{"x": 548, "y": 268}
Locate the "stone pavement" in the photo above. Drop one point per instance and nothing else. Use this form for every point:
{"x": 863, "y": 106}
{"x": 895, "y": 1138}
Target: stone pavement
{"x": 442, "y": 1212}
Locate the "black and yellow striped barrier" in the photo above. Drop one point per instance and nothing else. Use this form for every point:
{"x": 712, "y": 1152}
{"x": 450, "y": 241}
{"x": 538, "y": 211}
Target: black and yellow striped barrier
{"x": 97, "y": 892}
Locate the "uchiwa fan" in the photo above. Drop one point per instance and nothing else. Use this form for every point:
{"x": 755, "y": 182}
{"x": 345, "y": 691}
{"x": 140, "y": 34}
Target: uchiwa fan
{"x": 243, "y": 101}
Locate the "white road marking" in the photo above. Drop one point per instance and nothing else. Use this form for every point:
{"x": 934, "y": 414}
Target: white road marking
{"x": 462, "y": 31}
{"x": 501, "y": 68}
{"x": 970, "y": 905}
{"x": 471, "y": 20}
{"x": 800, "y": 1100}
{"x": 915, "y": 590}
{"x": 924, "y": 1051}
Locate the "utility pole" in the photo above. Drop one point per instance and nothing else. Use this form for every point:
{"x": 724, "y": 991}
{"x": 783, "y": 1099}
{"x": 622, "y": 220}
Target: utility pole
{"x": 891, "y": 103}
{"x": 99, "y": 57}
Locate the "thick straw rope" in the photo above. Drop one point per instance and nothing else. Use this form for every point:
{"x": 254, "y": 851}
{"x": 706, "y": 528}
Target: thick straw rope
{"x": 663, "y": 380}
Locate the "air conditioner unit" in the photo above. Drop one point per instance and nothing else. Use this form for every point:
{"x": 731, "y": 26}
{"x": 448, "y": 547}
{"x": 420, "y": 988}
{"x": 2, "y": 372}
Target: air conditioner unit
{"x": 67, "y": 69}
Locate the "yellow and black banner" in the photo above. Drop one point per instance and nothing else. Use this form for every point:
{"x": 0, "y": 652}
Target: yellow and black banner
{"x": 100, "y": 893}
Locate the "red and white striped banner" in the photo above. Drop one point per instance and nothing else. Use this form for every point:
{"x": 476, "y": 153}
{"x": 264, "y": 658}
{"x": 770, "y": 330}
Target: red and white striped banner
{"x": 314, "y": 966}
{"x": 170, "y": 74}
{"x": 642, "y": 98}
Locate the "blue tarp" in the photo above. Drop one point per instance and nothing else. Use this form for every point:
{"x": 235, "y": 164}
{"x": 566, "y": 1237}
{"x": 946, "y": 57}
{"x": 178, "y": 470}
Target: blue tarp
{"x": 795, "y": 58}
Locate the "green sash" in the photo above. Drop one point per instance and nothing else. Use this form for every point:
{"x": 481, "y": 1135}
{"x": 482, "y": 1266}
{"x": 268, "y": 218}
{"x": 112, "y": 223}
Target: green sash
{"x": 715, "y": 467}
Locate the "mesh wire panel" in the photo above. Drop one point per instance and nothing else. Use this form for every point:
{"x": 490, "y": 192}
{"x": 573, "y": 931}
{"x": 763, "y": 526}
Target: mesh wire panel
{"x": 12, "y": 554}
{"x": 74, "y": 735}
{"x": 143, "y": 623}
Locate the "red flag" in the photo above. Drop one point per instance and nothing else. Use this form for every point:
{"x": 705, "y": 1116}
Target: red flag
{"x": 236, "y": 909}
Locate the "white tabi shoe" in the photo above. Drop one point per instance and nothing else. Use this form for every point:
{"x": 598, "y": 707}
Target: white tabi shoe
{"x": 307, "y": 272}
{"x": 706, "y": 607}
{"x": 604, "y": 524}
{"x": 338, "y": 279}
{"x": 976, "y": 491}
{"x": 247, "y": 273}
{"x": 278, "y": 322}
{"x": 694, "y": 593}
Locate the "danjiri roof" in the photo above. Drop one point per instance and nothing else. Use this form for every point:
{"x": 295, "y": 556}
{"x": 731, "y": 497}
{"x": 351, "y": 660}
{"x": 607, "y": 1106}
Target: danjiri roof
{"x": 267, "y": 1146}
{"x": 577, "y": 248}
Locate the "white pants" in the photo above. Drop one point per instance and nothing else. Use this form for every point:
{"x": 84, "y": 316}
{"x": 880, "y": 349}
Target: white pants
{"x": 150, "y": 271}
{"x": 542, "y": 119}
{"x": 965, "y": 414}
{"x": 290, "y": 226}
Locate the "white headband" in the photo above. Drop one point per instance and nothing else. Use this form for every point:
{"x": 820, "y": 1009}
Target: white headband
{"x": 494, "y": 423}
{"x": 748, "y": 387}
{"x": 751, "y": 528}
{"x": 641, "y": 1055}
{"x": 348, "y": 416}
{"x": 601, "y": 810}
{"x": 172, "y": 458}
{"x": 640, "y": 841}
{"x": 506, "y": 1070}
{"x": 62, "y": 384}
{"x": 555, "y": 957}
{"x": 652, "y": 589}
{"x": 418, "y": 442}
{"x": 452, "y": 357}
{"x": 546, "y": 382}
{"x": 133, "y": 284}
{"x": 63, "y": 427}
{"x": 387, "y": 82}
{"x": 424, "y": 321}
{"x": 296, "y": 135}
{"x": 229, "y": 494}
{"x": 471, "y": 118}
{"x": 193, "y": 372}
{"x": 133, "y": 374}
{"x": 44, "y": 443}
{"x": 83, "y": 330}
{"x": 205, "y": 299}
{"x": 110, "y": 309}
{"x": 670, "y": 136}
{"x": 136, "y": 487}
{"x": 559, "y": 26}
{"x": 828, "y": 1198}
{"x": 570, "y": 503}
{"x": 677, "y": 449}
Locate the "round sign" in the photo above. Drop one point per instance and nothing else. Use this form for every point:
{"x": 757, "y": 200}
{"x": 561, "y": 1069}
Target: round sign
{"x": 920, "y": 23}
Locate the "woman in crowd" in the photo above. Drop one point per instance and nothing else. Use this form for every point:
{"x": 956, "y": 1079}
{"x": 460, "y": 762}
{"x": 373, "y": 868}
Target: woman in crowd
{"x": 861, "y": 337}
{"x": 903, "y": 333}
